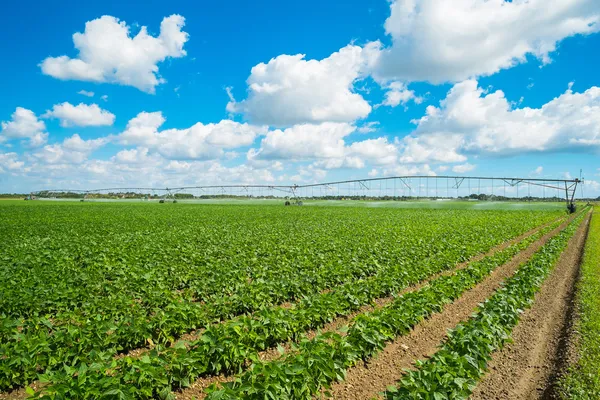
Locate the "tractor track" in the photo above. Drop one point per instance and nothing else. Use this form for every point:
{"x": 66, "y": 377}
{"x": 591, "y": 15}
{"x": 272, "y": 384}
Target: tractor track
{"x": 196, "y": 390}
{"x": 528, "y": 367}
{"x": 370, "y": 379}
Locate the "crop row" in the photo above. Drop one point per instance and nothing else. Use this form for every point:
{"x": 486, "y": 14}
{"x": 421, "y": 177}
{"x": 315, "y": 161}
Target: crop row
{"x": 120, "y": 294}
{"x": 44, "y": 345}
{"x": 49, "y": 272}
{"x": 228, "y": 347}
{"x": 454, "y": 370}
{"x": 324, "y": 359}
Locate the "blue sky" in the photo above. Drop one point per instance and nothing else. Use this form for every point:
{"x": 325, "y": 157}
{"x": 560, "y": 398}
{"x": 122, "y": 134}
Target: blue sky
{"x": 221, "y": 92}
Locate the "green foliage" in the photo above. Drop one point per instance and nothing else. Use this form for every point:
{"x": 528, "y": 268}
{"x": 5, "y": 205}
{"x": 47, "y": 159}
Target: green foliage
{"x": 454, "y": 370}
{"x": 583, "y": 379}
{"x": 318, "y": 362}
{"x": 81, "y": 283}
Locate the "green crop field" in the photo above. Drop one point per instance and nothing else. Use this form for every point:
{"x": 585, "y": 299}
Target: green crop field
{"x": 137, "y": 300}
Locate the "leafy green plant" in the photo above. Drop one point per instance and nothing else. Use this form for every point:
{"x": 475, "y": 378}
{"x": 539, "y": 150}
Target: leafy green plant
{"x": 454, "y": 370}
{"x": 81, "y": 284}
{"x": 330, "y": 355}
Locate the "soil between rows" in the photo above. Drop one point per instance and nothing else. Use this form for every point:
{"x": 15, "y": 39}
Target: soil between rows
{"x": 368, "y": 380}
{"x": 528, "y": 367}
{"x": 196, "y": 390}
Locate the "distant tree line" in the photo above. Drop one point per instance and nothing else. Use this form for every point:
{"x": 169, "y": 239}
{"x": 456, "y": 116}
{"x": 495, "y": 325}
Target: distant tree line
{"x": 189, "y": 196}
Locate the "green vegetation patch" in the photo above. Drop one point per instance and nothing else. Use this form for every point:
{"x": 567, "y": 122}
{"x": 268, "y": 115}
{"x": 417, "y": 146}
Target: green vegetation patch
{"x": 82, "y": 282}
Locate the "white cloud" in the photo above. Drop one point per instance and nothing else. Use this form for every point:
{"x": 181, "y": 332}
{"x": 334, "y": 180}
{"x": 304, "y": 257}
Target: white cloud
{"x": 309, "y": 174}
{"x": 73, "y": 150}
{"x": 86, "y": 93}
{"x": 592, "y": 185}
{"x": 304, "y": 142}
{"x": 24, "y": 125}
{"x": 408, "y": 170}
{"x": 290, "y": 90}
{"x": 325, "y": 145}
{"x": 107, "y": 53}
{"x": 462, "y": 168}
{"x": 440, "y": 40}
{"x": 80, "y": 115}
{"x": 199, "y": 142}
{"x": 104, "y": 97}
{"x": 435, "y": 147}
{"x": 398, "y": 94}
{"x": 76, "y": 143}
{"x": 471, "y": 121}
{"x": 537, "y": 171}
{"x": 369, "y": 127}
{"x": 377, "y": 151}
{"x": 349, "y": 161}
{"x": 138, "y": 168}
{"x": 135, "y": 156}
{"x": 142, "y": 129}
{"x": 10, "y": 162}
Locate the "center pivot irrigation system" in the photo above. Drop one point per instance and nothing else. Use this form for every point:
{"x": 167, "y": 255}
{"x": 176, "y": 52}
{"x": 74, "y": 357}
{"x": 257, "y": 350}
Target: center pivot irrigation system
{"x": 386, "y": 188}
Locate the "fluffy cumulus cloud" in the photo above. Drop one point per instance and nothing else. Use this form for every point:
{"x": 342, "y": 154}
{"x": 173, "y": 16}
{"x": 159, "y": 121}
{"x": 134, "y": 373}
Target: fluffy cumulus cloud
{"x": 435, "y": 147}
{"x": 399, "y": 94}
{"x": 472, "y": 121}
{"x": 108, "y": 53}
{"x": 138, "y": 155}
{"x": 304, "y": 142}
{"x": 326, "y": 145}
{"x": 80, "y": 115}
{"x": 73, "y": 150}
{"x": 199, "y": 142}
{"x": 374, "y": 152}
{"x": 24, "y": 125}
{"x": 10, "y": 162}
{"x": 377, "y": 151}
{"x": 86, "y": 93}
{"x": 138, "y": 168}
{"x": 463, "y": 168}
{"x": 408, "y": 170}
{"x": 291, "y": 90}
{"x": 440, "y": 40}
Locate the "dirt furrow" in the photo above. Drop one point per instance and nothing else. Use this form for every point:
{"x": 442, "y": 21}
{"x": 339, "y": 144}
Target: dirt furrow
{"x": 527, "y": 367}
{"x": 196, "y": 390}
{"x": 378, "y": 302}
{"x": 368, "y": 380}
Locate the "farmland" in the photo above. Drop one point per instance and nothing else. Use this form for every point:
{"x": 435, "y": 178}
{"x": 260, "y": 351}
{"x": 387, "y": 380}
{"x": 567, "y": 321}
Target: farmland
{"x": 224, "y": 301}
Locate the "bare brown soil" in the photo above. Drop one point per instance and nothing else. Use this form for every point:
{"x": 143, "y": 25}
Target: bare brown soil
{"x": 196, "y": 390}
{"x": 527, "y": 368}
{"x": 368, "y": 380}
